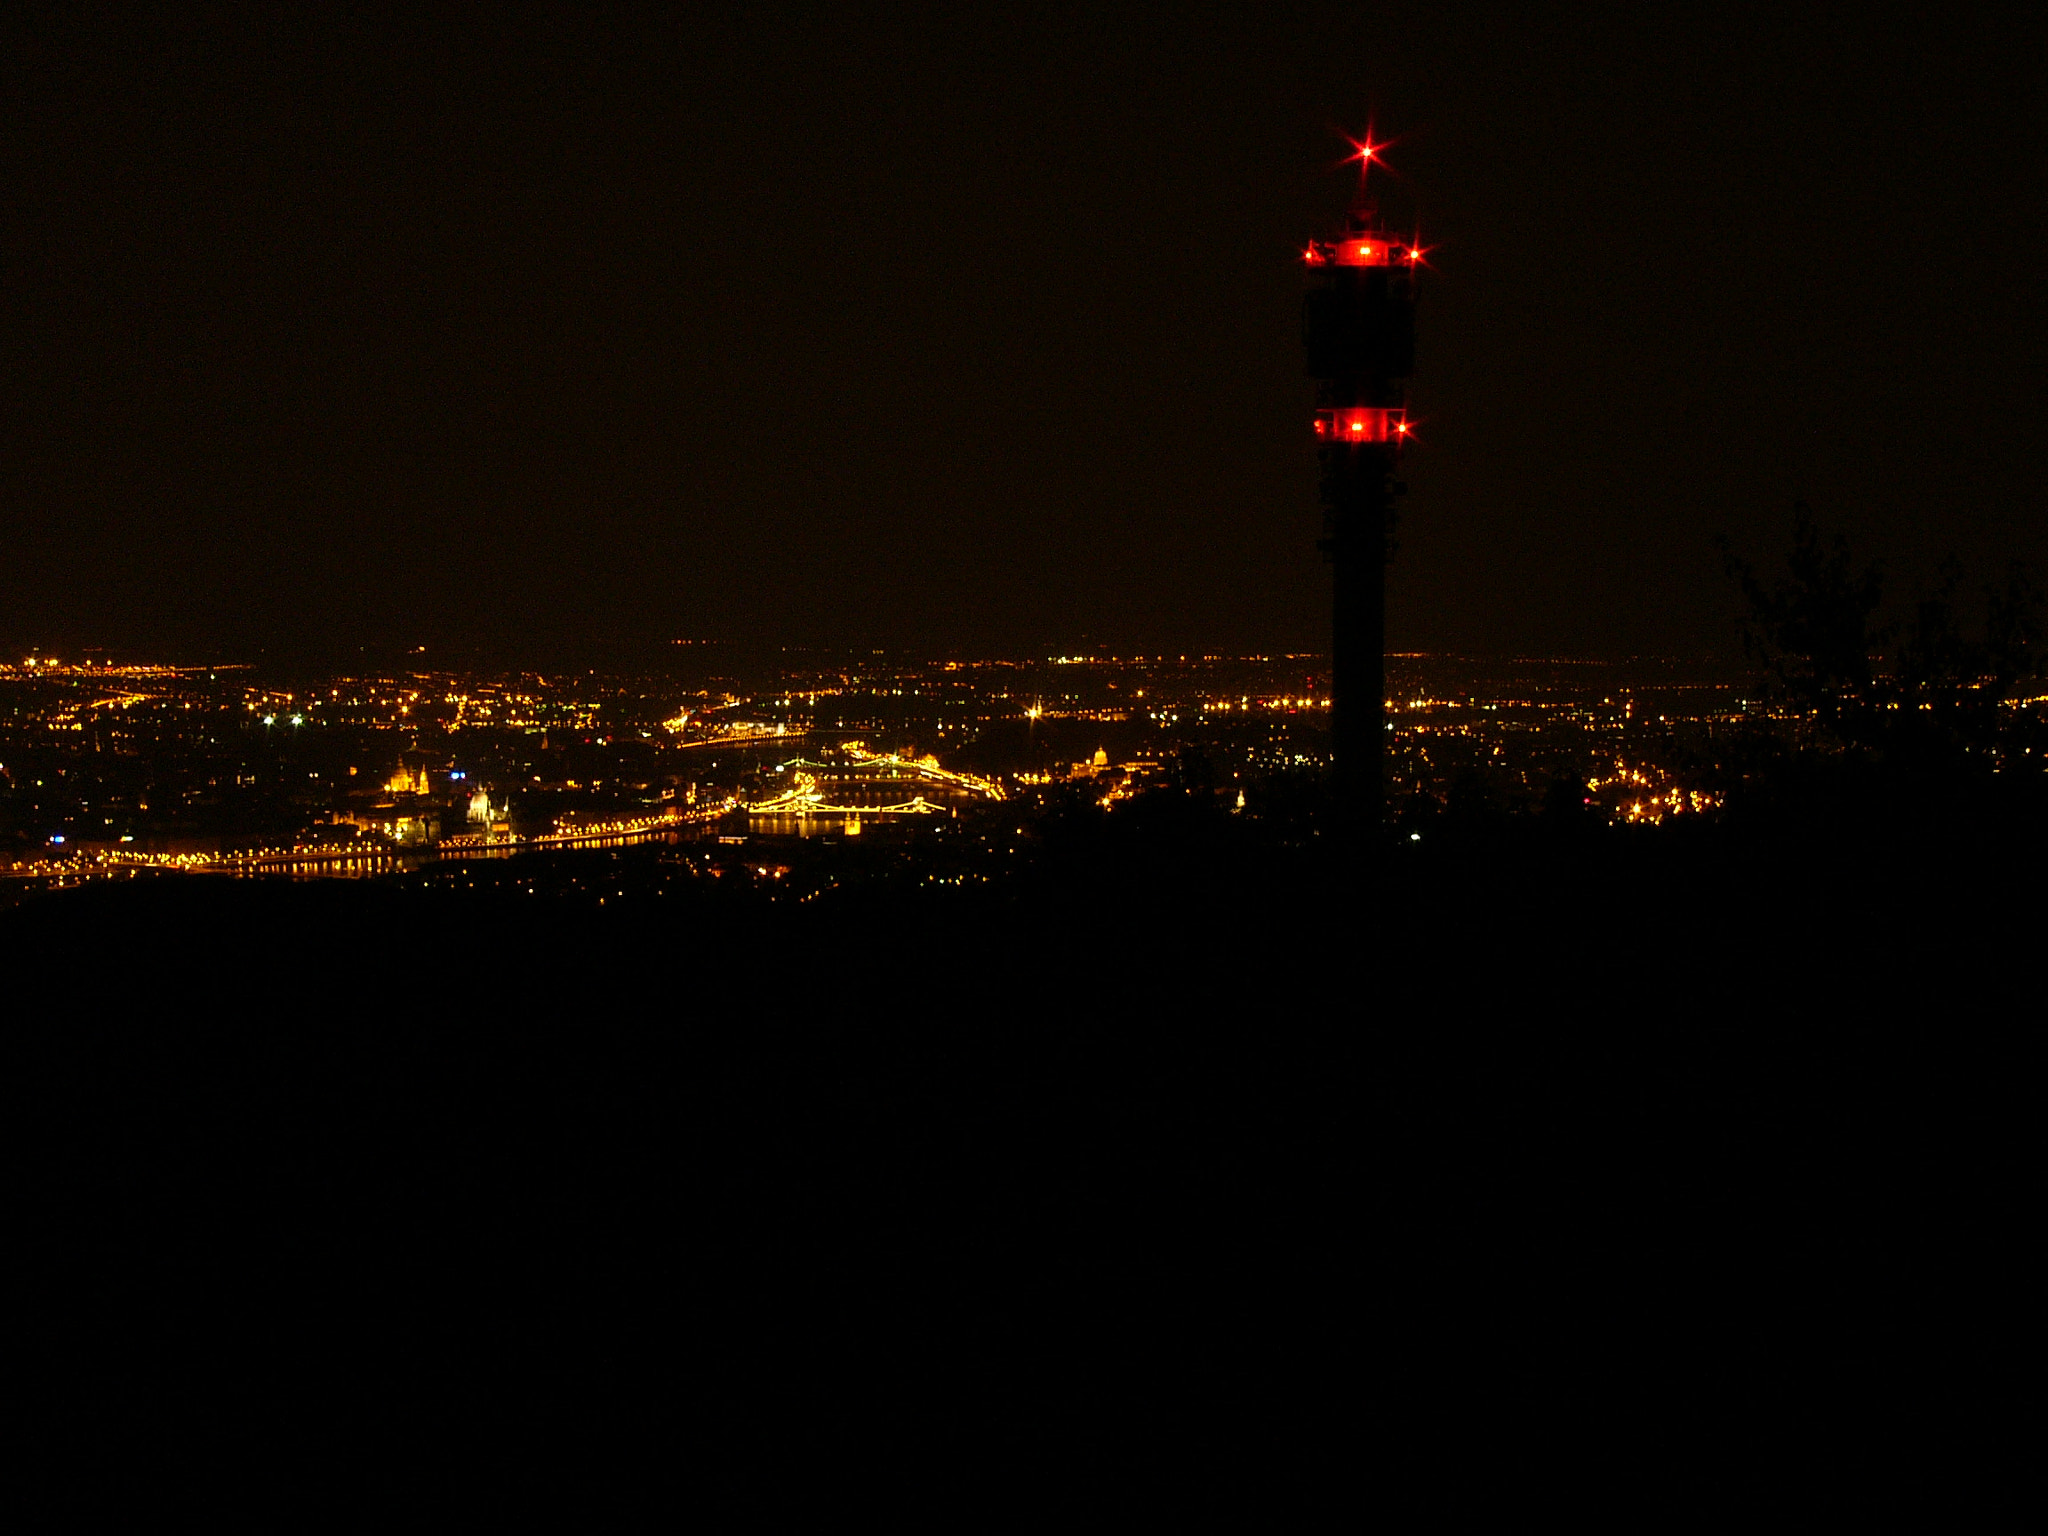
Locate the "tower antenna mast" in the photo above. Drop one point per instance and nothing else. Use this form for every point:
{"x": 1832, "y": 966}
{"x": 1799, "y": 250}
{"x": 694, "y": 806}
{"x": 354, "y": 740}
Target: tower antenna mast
{"x": 1358, "y": 324}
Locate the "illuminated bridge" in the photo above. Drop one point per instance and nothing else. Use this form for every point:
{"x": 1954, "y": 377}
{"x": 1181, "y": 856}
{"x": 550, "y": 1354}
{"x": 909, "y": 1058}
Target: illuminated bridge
{"x": 872, "y": 784}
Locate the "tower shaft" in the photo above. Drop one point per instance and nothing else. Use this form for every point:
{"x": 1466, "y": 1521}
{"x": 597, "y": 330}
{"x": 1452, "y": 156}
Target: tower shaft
{"x": 1358, "y": 499}
{"x": 1358, "y": 324}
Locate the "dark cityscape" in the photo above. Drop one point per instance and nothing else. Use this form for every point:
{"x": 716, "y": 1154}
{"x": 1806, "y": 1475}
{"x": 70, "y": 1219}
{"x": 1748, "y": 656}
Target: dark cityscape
{"x": 115, "y": 771}
{"x": 1138, "y": 766}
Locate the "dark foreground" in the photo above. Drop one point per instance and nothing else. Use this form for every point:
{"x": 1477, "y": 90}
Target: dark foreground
{"x": 1596, "y": 1178}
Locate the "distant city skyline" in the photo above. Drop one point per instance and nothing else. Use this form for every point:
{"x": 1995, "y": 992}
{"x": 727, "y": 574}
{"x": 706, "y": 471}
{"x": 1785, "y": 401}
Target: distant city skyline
{"x": 110, "y": 771}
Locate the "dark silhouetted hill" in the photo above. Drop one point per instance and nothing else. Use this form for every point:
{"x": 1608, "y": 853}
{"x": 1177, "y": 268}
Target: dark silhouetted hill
{"x": 1188, "y": 1168}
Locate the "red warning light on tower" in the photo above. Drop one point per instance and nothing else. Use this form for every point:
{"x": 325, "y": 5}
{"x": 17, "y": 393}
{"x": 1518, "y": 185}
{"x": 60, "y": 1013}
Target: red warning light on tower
{"x": 1362, "y": 424}
{"x": 1368, "y": 250}
{"x": 1364, "y": 249}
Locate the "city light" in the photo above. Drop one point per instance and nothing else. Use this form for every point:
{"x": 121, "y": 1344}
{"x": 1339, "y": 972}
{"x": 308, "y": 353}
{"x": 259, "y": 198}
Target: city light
{"x": 868, "y": 749}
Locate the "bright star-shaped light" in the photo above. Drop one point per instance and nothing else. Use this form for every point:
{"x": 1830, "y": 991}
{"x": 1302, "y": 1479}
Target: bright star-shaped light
{"x": 1368, "y": 152}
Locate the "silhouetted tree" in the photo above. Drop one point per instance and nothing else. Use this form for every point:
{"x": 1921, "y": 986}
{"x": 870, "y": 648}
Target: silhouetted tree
{"x": 1472, "y": 801}
{"x": 1913, "y": 729}
{"x": 1812, "y": 630}
{"x": 1566, "y": 805}
{"x": 1192, "y": 773}
{"x": 1958, "y": 680}
{"x": 2014, "y": 627}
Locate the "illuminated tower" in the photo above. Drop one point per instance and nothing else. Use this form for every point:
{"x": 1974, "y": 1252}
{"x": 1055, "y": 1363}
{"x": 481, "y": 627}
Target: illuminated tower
{"x": 1358, "y": 322}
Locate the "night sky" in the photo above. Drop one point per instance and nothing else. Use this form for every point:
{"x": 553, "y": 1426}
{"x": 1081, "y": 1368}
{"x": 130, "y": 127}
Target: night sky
{"x": 975, "y": 328}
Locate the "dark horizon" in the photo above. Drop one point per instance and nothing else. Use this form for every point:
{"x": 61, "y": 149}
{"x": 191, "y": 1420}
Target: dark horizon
{"x": 962, "y": 333}
{"x": 655, "y": 658}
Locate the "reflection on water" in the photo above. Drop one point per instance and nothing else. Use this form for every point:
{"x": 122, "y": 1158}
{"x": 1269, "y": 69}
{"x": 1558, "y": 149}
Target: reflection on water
{"x": 354, "y": 863}
{"x": 354, "y": 866}
{"x": 357, "y": 864}
{"x": 780, "y": 824}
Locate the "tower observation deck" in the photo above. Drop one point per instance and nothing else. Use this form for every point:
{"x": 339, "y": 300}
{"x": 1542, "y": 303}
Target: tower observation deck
{"x": 1358, "y": 326}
